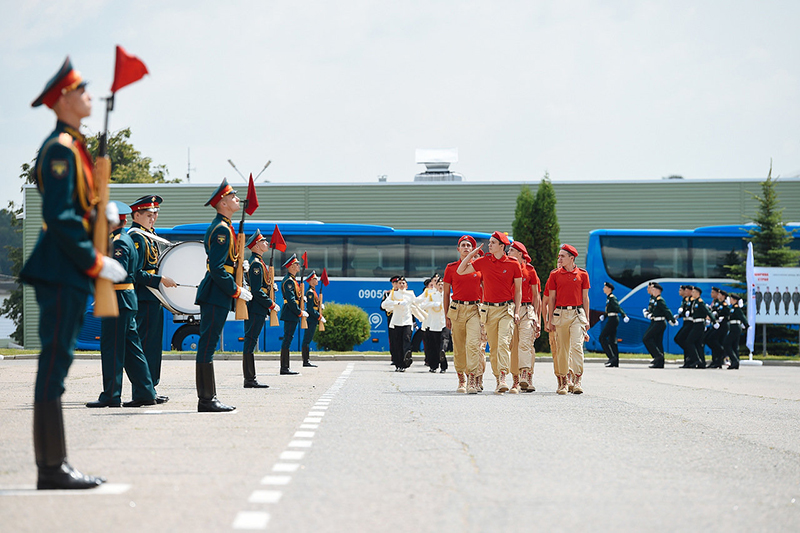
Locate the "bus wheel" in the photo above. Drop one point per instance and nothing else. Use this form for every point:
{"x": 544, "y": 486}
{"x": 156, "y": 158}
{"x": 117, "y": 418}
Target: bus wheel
{"x": 186, "y": 338}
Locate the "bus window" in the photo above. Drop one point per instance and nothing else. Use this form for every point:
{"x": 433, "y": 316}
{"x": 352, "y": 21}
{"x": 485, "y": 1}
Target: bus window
{"x": 375, "y": 257}
{"x": 323, "y": 252}
{"x": 635, "y": 259}
{"x": 428, "y": 255}
{"x": 711, "y": 254}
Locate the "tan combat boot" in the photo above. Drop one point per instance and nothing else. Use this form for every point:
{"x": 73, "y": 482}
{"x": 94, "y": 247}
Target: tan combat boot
{"x": 502, "y": 386}
{"x": 479, "y": 382}
{"x": 523, "y": 378}
{"x": 576, "y": 387}
{"x": 472, "y": 386}
{"x": 570, "y": 381}
{"x": 515, "y": 386}
{"x": 462, "y": 383}
{"x": 562, "y": 385}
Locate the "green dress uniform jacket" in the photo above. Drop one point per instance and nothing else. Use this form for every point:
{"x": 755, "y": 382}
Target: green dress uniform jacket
{"x": 146, "y": 273}
{"x": 312, "y": 308}
{"x": 290, "y": 312}
{"x": 258, "y": 278}
{"x": 64, "y": 261}
{"x": 612, "y": 306}
{"x": 219, "y": 286}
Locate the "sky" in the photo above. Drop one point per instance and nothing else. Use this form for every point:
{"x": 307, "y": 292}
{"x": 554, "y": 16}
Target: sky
{"x": 345, "y": 92}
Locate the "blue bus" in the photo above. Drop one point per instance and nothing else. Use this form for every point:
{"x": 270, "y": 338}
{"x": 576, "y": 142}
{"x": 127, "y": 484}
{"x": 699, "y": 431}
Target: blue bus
{"x": 359, "y": 260}
{"x": 629, "y": 259}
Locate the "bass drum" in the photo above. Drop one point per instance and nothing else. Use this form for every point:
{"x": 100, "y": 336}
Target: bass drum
{"x": 185, "y": 263}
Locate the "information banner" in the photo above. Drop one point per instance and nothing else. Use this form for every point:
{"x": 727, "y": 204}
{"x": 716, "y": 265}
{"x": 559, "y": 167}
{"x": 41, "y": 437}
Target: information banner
{"x": 776, "y": 295}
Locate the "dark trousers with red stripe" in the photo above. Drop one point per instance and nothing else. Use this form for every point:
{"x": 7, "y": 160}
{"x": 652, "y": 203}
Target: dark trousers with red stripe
{"x": 212, "y": 321}
{"x": 150, "y": 322}
{"x": 120, "y": 348}
{"x": 61, "y": 310}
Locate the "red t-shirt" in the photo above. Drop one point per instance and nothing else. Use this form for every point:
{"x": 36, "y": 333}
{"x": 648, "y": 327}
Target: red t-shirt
{"x": 498, "y": 277}
{"x": 467, "y": 287}
{"x": 530, "y": 283}
{"x": 568, "y": 285}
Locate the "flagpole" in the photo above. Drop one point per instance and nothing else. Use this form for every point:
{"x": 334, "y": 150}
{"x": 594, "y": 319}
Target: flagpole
{"x": 751, "y": 309}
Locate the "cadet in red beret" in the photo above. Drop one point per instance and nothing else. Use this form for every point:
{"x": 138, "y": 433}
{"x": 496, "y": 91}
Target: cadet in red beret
{"x": 568, "y": 293}
{"x": 502, "y": 296}
{"x": 527, "y": 330}
{"x": 463, "y": 316}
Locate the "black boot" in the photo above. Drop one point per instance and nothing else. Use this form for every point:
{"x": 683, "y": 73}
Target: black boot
{"x": 50, "y": 448}
{"x": 306, "y": 361}
{"x": 249, "y": 371}
{"x": 285, "y": 363}
{"x": 207, "y": 390}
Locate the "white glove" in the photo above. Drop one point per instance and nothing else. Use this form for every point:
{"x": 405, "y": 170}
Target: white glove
{"x": 112, "y": 270}
{"x": 675, "y": 317}
{"x": 720, "y": 319}
{"x": 680, "y": 311}
{"x": 245, "y": 295}
{"x": 112, "y": 213}
{"x": 304, "y": 314}
{"x": 321, "y": 307}
{"x": 275, "y": 286}
{"x": 276, "y": 307}
{"x": 626, "y": 319}
{"x": 644, "y": 312}
{"x": 322, "y": 319}
{"x": 246, "y": 265}
{"x": 673, "y": 323}
{"x": 687, "y": 314}
{"x": 602, "y": 317}
{"x": 716, "y": 325}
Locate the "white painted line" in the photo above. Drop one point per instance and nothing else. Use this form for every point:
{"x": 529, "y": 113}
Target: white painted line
{"x": 304, "y": 434}
{"x": 163, "y": 411}
{"x": 291, "y": 456}
{"x": 312, "y": 420}
{"x": 251, "y": 520}
{"x": 309, "y": 426}
{"x": 30, "y": 490}
{"x": 316, "y": 413}
{"x": 320, "y": 407}
{"x": 265, "y": 496}
{"x": 285, "y": 467}
{"x": 276, "y": 480}
{"x": 300, "y": 444}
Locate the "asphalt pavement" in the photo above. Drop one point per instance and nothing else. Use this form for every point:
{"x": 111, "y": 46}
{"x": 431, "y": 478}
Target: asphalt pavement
{"x": 354, "y": 446}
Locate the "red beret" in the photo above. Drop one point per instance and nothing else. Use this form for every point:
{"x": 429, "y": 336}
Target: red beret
{"x": 571, "y": 249}
{"x": 470, "y": 239}
{"x": 517, "y": 245}
{"x": 502, "y": 237}
{"x": 527, "y": 258}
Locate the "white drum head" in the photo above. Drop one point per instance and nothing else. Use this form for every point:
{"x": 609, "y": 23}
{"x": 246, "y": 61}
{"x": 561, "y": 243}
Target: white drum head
{"x": 186, "y": 264}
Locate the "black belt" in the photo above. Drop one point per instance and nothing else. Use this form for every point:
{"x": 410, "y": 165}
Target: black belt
{"x": 462, "y": 302}
{"x": 498, "y": 304}
{"x": 526, "y": 304}
{"x": 569, "y": 307}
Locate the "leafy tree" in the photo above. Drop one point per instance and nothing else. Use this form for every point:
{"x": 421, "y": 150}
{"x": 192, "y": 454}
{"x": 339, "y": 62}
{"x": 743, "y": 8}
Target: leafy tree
{"x": 127, "y": 166}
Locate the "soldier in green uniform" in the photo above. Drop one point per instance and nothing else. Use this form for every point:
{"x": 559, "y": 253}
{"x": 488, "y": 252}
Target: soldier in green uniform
{"x": 216, "y": 294}
{"x": 120, "y": 346}
{"x": 291, "y": 312}
{"x": 720, "y": 327}
{"x": 608, "y": 336}
{"x": 62, "y": 268}
{"x": 698, "y": 314}
{"x": 658, "y": 314}
{"x": 257, "y": 309}
{"x": 685, "y": 293}
{"x": 737, "y": 324}
{"x": 314, "y": 317}
{"x": 150, "y": 316}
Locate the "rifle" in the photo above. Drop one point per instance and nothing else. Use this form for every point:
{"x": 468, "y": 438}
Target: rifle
{"x": 323, "y": 281}
{"x": 321, "y": 326}
{"x": 241, "y": 305}
{"x": 303, "y": 320}
{"x": 105, "y": 297}
{"x": 273, "y": 314}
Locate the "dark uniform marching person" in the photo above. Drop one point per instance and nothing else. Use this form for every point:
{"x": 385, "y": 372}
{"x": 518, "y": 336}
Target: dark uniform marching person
{"x": 685, "y": 293}
{"x": 120, "y": 346}
{"x": 313, "y": 307}
{"x": 659, "y": 314}
{"x": 720, "y": 326}
{"x": 291, "y": 311}
{"x": 257, "y": 309}
{"x": 61, "y": 269}
{"x": 698, "y": 313}
{"x": 608, "y": 336}
{"x": 216, "y": 294}
{"x": 150, "y": 316}
{"x": 736, "y": 325}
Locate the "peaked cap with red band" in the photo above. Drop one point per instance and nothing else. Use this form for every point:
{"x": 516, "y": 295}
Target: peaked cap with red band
{"x": 292, "y": 260}
{"x": 470, "y": 239}
{"x": 502, "y": 237}
{"x": 255, "y": 238}
{"x": 570, "y": 249}
{"x": 147, "y": 203}
{"x": 222, "y": 191}
{"x": 66, "y": 79}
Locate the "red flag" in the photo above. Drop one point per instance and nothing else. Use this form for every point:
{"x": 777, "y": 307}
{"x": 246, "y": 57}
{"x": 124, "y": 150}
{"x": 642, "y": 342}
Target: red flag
{"x": 127, "y": 69}
{"x": 305, "y": 259}
{"x": 324, "y": 277}
{"x": 252, "y": 199}
{"x": 277, "y": 241}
